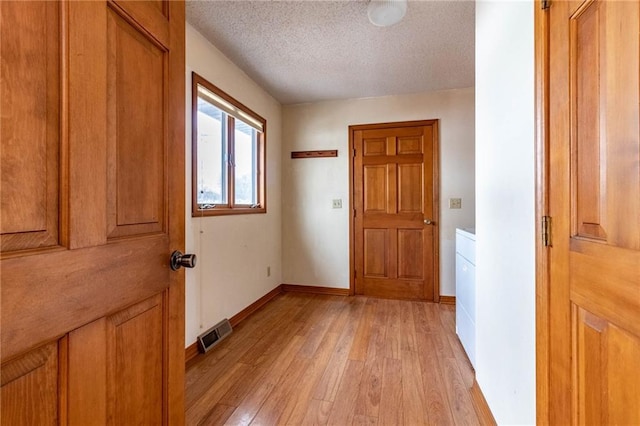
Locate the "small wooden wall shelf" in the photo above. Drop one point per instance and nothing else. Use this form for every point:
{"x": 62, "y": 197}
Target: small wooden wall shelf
{"x": 314, "y": 154}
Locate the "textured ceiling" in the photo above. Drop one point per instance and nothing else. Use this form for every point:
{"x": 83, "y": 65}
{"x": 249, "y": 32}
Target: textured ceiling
{"x": 308, "y": 51}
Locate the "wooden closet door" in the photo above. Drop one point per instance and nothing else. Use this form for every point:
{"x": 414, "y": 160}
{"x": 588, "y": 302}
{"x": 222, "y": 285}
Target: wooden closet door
{"x": 395, "y": 224}
{"x": 594, "y": 203}
{"x": 92, "y": 206}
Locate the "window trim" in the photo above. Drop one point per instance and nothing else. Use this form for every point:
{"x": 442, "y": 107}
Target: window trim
{"x": 261, "y": 169}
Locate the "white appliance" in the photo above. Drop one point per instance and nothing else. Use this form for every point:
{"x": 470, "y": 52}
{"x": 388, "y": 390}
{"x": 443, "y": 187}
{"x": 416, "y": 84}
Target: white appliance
{"x": 466, "y": 290}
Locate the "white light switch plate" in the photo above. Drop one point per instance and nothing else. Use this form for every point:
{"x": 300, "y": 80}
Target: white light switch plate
{"x": 455, "y": 203}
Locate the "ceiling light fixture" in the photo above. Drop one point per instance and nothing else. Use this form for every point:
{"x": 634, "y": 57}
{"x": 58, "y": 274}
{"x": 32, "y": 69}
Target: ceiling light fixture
{"x": 384, "y": 13}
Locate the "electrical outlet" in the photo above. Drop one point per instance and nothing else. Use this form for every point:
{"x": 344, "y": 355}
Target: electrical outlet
{"x": 337, "y": 203}
{"x": 455, "y": 203}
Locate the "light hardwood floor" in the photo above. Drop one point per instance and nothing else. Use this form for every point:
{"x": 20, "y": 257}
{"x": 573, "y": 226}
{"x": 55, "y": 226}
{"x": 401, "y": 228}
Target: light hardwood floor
{"x": 315, "y": 359}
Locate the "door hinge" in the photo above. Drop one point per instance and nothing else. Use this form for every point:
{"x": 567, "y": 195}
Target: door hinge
{"x": 354, "y": 212}
{"x": 546, "y": 231}
{"x": 545, "y": 4}
{"x": 354, "y": 152}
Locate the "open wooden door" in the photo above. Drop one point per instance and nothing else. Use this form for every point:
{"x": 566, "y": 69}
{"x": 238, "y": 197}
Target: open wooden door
{"x": 589, "y": 293}
{"x": 395, "y": 217}
{"x": 92, "y": 205}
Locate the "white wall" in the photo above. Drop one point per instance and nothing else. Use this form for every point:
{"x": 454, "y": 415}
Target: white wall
{"x": 315, "y": 236}
{"x": 233, "y": 251}
{"x": 505, "y": 270}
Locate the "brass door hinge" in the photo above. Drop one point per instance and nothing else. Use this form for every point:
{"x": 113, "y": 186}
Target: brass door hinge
{"x": 545, "y": 4}
{"x": 546, "y": 231}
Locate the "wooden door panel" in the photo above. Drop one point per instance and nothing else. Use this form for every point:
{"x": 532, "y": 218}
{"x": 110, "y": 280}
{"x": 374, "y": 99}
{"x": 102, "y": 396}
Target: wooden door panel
{"x": 606, "y": 371}
{"x": 590, "y": 189}
{"x": 410, "y": 254}
{"x": 30, "y": 125}
{"x": 410, "y": 145}
{"x": 30, "y": 388}
{"x": 136, "y": 131}
{"x": 374, "y": 146}
{"x": 605, "y": 145}
{"x": 591, "y": 278}
{"x": 393, "y": 133}
{"x": 620, "y": 136}
{"x": 151, "y": 16}
{"x": 375, "y": 189}
{"x": 397, "y": 289}
{"x": 410, "y": 188}
{"x": 375, "y": 253}
{"x": 135, "y": 340}
{"x": 121, "y": 355}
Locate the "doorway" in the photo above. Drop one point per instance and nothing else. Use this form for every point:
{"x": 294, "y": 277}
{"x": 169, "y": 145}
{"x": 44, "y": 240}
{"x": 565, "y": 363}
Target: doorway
{"x": 394, "y": 181}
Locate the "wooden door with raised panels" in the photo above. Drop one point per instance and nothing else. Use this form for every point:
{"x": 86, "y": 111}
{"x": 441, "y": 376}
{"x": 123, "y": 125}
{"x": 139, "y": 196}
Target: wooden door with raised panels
{"x": 395, "y": 223}
{"x": 594, "y": 204}
{"x": 92, "y": 205}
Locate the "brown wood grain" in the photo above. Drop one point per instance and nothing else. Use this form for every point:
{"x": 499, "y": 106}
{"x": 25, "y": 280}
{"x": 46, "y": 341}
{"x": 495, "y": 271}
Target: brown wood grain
{"x": 190, "y": 352}
{"x": 136, "y": 134}
{"x": 175, "y": 297}
{"x": 30, "y": 126}
{"x": 218, "y": 415}
{"x": 447, "y": 300}
{"x": 315, "y": 290}
{"x": 152, "y": 17}
{"x": 29, "y": 392}
{"x": 87, "y": 361}
{"x": 285, "y": 376}
{"x": 118, "y": 358}
{"x": 414, "y": 399}
{"x": 395, "y": 177}
{"x": 246, "y": 312}
{"x": 482, "y": 408}
{"x": 541, "y": 75}
{"x": 314, "y": 154}
{"x": 318, "y": 413}
{"x": 589, "y": 280}
{"x": 84, "y": 176}
{"x": 135, "y": 343}
{"x": 66, "y": 292}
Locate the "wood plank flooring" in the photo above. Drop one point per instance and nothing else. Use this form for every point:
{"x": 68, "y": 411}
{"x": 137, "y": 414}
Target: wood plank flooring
{"x": 307, "y": 359}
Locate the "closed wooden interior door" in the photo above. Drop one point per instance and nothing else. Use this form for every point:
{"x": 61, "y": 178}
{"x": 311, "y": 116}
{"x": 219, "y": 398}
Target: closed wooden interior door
{"x": 594, "y": 203}
{"x": 395, "y": 183}
{"x": 92, "y": 205}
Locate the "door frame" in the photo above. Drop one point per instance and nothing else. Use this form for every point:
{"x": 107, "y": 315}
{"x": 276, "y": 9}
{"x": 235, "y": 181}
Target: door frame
{"x": 436, "y": 197}
{"x": 542, "y": 268}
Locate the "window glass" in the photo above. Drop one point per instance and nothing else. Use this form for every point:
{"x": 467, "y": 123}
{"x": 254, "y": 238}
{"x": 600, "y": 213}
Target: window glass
{"x": 212, "y": 155}
{"x": 245, "y": 163}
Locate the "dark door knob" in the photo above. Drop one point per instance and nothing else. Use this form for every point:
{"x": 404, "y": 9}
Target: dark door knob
{"x": 179, "y": 260}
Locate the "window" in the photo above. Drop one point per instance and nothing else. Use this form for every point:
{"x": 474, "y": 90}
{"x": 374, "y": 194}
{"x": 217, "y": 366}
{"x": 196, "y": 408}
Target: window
{"x": 228, "y": 143}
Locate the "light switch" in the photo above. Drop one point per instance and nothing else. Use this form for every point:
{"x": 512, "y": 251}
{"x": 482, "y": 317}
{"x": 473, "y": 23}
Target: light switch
{"x": 337, "y": 203}
{"x": 455, "y": 203}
